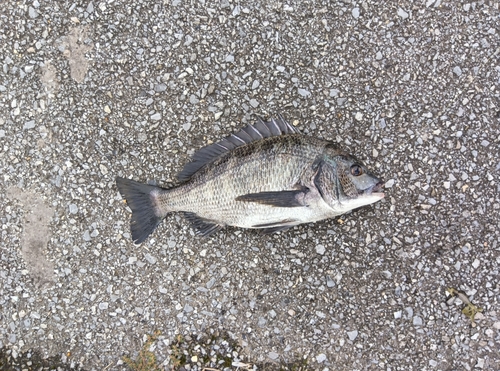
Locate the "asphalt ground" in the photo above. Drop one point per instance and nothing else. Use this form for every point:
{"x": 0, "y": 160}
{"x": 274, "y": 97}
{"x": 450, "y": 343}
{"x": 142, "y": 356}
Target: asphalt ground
{"x": 94, "y": 90}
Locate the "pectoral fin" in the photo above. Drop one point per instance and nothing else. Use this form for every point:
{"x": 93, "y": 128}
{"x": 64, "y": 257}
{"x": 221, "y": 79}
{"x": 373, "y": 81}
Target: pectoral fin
{"x": 278, "y": 199}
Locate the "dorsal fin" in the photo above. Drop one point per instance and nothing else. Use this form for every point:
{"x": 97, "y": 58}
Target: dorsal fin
{"x": 250, "y": 133}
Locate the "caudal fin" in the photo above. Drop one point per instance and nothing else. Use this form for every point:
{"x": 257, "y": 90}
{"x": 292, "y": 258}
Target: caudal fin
{"x": 142, "y": 200}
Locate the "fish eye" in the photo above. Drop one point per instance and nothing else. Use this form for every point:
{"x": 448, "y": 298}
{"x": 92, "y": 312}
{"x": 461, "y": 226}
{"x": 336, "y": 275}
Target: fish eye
{"x": 356, "y": 170}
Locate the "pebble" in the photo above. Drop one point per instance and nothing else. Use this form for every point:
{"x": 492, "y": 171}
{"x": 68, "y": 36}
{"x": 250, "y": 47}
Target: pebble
{"x": 320, "y": 249}
{"x": 352, "y": 335}
{"x": 104, "y": 169}
{"x": 86, "y": 235}
{"x": 150, "y": 258}
{"x": 29, "y": 125}
{"x": 417, "y": 321}
{"x": 330, "y": 282}
{"x": 457, "y": 71}
{"x": 402, "y": 13}
{"x": 389, "y": 183}
{"x": 156, "y": 117}
{"x": 355, "y": 13}
{"x": 73, "y": 209}
{"x": 304, "y": 92}
{"x": 32, "y": 12}
{"x": 273, "y": 355}
{"x": 320, "y": 358}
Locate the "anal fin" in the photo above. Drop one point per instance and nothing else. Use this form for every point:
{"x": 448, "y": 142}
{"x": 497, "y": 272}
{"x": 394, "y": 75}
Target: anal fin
{"x": 203, "y": 227}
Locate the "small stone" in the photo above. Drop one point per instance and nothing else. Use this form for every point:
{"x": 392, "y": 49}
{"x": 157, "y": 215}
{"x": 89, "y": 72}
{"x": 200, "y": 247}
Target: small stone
{"x": 397, "y": 314}
{"x": 476, "y": 263}
{"x": 194, "y": 359}
{"x": 417, "y": 321}
{"x": 103, "y": 305}
{"x": 150, "y": 258}
{"x": 255, "y": 84}
{"x": 273, "y": 355}
{"x": 304, "y": 92}
{"x": 329, "y": 281}
{"x": 480, "y": 363}
{"x": 402, "y": 13}
{"x": 210, "y": 283}
{"x": 355, "y": 13}
{"x": 358, "y": 116}
{"x": 217, "y": 115}
{"x": 457, "y": 71}
{"x": 73, "y": 209}
{"x": 188, "y": 308}
{"x": 389, "y": 183}
{"x": 409, "y": 311}
{"x": 86, "y": 236}
{"x": 104, "y": 169}
{"x": 32, "y": 12}
{"x": 107, "y": 109}
{"x": 156, "y": 116}
{"x": 320, "y": 358}
{"x": 29, "y": 125}
{"x": 320, "y": 249}
{"x": 352, "y": 335}
{"x": 160, "y": 87}
{"x": 254, "y": 103}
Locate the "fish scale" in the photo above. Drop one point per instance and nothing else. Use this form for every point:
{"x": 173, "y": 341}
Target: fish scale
{"x": 266, "y": 176}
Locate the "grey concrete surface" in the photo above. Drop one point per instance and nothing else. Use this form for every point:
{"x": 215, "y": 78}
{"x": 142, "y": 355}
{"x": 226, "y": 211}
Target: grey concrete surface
{"x": 91, "y": 90}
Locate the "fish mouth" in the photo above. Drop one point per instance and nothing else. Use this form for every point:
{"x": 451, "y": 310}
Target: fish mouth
{"x": 376, "y": 190}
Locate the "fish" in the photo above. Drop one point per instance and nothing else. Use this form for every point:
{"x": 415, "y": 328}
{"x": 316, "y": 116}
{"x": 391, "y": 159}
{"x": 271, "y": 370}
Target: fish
{"x": 267, "y": 176}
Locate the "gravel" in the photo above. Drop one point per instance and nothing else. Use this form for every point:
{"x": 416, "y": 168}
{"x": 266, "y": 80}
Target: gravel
{"x": 90, "y": 91}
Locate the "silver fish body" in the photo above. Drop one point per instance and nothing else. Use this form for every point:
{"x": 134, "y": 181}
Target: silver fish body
{"x": 266, "y": 176}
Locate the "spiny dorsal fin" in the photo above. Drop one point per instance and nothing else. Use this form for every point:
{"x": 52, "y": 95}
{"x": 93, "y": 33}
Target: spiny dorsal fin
{"x": 250, "y": 133}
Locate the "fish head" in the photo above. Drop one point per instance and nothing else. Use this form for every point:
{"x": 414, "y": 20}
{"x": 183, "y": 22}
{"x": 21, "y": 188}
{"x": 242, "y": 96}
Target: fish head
{"x": 357, "y": 186}
{"x": 345, "y": 183}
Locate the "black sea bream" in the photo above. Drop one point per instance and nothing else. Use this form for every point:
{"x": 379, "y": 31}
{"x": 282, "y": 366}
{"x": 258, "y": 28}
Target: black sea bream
{"x": 266, "y": 176}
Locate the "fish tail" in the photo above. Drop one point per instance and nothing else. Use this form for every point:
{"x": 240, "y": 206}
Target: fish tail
{"x": 143, "y": 201}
